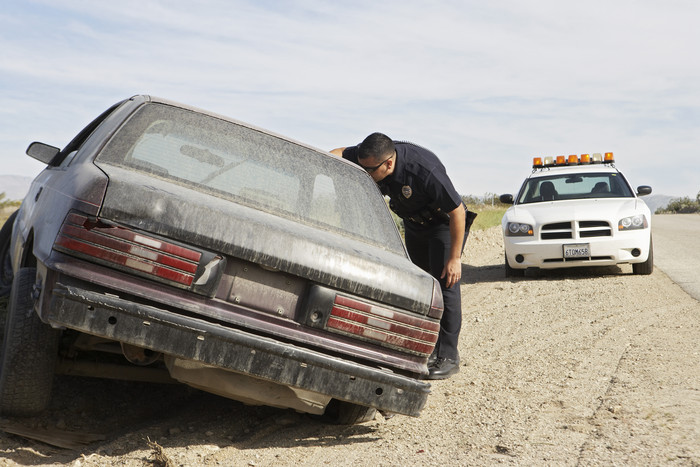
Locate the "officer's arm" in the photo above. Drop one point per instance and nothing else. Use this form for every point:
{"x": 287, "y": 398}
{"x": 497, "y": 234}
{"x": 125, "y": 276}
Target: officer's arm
{"x": 338, "y": 152}
{"x": 453, "y": 267}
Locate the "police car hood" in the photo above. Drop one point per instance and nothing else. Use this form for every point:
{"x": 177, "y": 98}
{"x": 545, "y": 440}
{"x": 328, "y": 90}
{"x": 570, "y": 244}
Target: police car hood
{"x": 596, "y": 209}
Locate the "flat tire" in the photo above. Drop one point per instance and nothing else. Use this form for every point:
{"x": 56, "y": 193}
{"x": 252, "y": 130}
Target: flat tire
{"x": 28, "y": 353}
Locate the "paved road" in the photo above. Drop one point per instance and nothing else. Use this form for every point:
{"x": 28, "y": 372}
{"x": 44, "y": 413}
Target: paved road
{"x": 677, "y": 249}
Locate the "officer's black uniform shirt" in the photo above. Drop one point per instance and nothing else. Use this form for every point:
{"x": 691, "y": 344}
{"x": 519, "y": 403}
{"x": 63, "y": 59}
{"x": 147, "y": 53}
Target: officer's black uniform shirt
{"x": 419, "y": 189}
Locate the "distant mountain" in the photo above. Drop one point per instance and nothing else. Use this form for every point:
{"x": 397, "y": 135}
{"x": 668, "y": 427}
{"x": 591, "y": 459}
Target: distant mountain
{"x": 15, "y": 187}
{"x": 658, "y": 201}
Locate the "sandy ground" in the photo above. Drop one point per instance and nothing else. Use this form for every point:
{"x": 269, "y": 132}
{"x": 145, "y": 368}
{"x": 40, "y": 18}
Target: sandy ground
{"x": 575, "y": 367}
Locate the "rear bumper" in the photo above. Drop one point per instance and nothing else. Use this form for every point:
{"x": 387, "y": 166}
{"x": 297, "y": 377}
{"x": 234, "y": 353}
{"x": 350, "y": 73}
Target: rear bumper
{"x": 234, "y": 350}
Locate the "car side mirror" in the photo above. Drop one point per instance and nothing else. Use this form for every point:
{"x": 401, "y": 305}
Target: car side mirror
{"x": 42, "y": 152}
{"x": 643, "y": 190}
{"x": 506, "y": 199}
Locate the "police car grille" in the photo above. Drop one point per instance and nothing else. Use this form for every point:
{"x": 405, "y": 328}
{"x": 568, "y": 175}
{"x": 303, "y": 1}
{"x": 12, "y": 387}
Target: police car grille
{"x": 584, "y": 229}
{"x": 580, "y": 260}
{"x": 589, "y": 229}
{"x": 556, "y": 231}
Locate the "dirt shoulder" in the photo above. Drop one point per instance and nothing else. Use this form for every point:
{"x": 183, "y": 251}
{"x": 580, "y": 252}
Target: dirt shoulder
{"x": 577, "y": 367}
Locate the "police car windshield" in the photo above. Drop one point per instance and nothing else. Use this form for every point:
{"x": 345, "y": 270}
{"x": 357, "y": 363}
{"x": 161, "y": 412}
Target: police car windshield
{"x": 574, "y": 186}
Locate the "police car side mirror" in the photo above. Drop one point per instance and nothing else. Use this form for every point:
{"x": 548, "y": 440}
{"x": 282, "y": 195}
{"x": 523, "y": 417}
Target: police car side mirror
{"x": 643, "y": 190}
{"x": 506, "y": 199}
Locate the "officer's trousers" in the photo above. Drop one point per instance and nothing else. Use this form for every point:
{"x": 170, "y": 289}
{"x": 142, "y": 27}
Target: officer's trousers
{"x": 429, "y": 248}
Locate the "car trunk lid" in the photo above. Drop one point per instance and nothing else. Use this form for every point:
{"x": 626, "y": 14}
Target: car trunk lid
{"x": 274, "y": 242}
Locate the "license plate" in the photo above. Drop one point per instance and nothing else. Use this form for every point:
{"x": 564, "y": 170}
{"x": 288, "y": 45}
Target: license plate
{"x": 577, "y": 250}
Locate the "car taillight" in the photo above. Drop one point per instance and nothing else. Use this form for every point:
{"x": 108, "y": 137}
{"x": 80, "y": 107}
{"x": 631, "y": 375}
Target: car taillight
{"x": 383, "y": 325}
{"x": 127, "y": 250}
{"x": 437, "y": 305}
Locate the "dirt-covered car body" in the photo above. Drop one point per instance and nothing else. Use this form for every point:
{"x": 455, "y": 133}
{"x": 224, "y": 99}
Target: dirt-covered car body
{"x": 249, "y": 265}
{"x": 578, "y": 211}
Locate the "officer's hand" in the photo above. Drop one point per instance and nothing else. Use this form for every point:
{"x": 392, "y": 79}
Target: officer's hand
{"x": 452, "y": 272}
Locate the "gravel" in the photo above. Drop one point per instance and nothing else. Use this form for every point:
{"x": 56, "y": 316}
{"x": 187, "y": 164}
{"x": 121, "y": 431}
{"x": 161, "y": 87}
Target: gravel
{"x": 593, "y": 366}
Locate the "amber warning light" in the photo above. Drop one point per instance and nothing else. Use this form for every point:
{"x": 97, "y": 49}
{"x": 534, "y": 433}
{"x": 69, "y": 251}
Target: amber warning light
{"x": 560, "y": 161}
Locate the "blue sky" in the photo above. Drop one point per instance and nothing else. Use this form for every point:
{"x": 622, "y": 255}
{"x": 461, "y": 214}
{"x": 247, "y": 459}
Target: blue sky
{"x": 485, "y": 85}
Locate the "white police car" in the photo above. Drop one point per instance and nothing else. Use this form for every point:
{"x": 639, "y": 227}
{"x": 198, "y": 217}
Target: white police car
{"x": 577, "y": 211}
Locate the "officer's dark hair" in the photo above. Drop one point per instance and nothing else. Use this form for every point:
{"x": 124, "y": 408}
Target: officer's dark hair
{"x": 375, "y": 146}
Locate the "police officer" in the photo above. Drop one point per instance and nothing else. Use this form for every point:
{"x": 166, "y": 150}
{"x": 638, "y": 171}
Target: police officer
{"x": 436, "y": 225}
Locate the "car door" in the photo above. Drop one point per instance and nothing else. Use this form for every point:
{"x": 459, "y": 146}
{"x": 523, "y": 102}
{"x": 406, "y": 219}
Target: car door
{"x": 60, "y": 186}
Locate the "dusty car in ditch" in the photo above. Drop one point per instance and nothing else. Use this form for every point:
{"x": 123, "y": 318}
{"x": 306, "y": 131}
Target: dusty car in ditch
{"x": 241, "y": 262}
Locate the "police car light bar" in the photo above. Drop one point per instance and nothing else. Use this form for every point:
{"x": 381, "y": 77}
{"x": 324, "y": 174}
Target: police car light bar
{"x": 559, "y": 161}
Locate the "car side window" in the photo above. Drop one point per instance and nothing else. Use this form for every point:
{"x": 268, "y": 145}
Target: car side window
{"x": 68, "y": 159}
{"x": 64, "y": 158}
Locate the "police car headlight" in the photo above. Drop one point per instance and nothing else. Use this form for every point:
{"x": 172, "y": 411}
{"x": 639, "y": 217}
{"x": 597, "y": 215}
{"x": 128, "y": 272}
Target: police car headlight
{"x": 633, "y": 222}
{"x": 514, "y": 229}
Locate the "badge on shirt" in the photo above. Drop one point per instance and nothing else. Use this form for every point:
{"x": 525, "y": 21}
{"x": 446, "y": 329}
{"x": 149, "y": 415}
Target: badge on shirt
{"x": 406, "y": 191}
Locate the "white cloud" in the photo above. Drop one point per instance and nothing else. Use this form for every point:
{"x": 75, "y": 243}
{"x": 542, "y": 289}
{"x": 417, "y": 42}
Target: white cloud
{"x": 486, "y": 85}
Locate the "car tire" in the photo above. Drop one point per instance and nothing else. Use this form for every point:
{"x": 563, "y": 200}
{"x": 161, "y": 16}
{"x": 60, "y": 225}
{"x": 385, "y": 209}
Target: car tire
{"x": 510, "y": 272}
{"x": 347, "y": 413}
{"x": 29, "y": 352}
{"x": 5, "y": 258}
{"x": 647, "y": 266}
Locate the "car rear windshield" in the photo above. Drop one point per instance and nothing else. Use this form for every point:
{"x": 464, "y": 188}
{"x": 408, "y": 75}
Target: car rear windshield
{"x": 253, "y": 168}
{"x": 574, "y": 186}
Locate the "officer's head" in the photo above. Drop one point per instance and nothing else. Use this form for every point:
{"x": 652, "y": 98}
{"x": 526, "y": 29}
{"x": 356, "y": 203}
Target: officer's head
{"x": 377, "y": 155}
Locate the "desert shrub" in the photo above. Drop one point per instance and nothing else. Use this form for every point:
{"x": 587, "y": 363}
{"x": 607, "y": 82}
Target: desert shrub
{"x": 683, "y": 205}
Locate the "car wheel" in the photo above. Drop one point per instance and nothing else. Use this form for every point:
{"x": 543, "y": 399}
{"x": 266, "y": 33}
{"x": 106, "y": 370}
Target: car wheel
{"x": 29, "y": 352}
{"x": 647, "y": 266}
{"x": 5, "y": 259}
{"x": 510, "y": 272}
{"x": 347, "y": 413}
